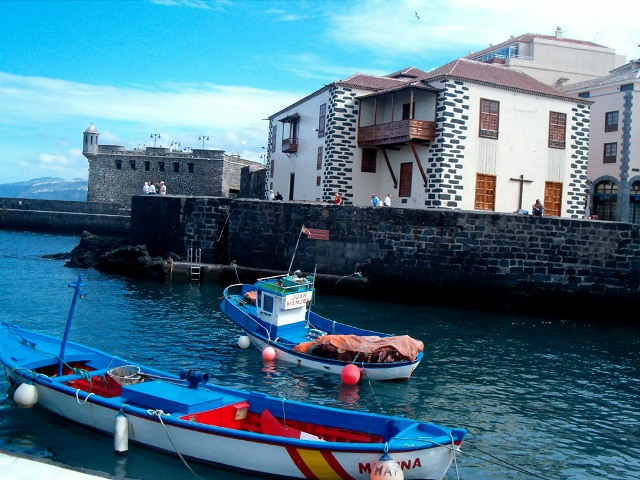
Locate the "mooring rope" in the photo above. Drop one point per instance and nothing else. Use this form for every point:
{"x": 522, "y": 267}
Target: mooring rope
{"x": 158, "y": 413}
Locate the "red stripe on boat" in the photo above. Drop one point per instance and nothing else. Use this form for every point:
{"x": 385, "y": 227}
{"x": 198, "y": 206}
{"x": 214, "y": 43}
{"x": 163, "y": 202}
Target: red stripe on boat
{"x": 302, "y": 466}
{"x": 333, "y": 463}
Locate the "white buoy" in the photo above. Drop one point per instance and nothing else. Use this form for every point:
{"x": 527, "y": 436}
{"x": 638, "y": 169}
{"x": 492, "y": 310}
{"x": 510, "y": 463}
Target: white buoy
{"x": 244, "y": 341}
{"x": 26, "y": 395}
{"x": 121, "y": 434}
{"x": 386, "y": 468}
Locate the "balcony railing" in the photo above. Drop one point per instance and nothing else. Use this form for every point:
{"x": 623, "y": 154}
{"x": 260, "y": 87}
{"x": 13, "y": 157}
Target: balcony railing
{"x": 396, "y": 132}
{"x": 289, "y": 145}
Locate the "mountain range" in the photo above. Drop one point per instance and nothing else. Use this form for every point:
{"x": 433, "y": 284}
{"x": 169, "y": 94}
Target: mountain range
{"x": 47, "y": 188}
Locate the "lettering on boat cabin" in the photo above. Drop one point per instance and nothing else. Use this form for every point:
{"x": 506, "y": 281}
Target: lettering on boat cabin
{"x": 297, "y": 299}
{"x": 404, "y": 465}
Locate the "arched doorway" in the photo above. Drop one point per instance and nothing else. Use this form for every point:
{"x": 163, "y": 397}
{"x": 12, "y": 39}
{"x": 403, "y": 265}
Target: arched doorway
{"x": 605, "y": 200}
{"x": 634, "y": 203}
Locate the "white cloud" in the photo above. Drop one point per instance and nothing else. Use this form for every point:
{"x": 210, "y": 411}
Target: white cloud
{"x": 231, "y": 116}
{"x": 455, "y": 28}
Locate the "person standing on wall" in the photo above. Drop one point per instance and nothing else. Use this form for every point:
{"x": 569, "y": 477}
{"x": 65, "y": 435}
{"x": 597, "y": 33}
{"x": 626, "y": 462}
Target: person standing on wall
{"x": 163, "y": 189}
{"x": 387, "y": 200}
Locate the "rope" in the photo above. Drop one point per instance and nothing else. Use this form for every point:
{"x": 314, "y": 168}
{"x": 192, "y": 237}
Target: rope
{"x": 284, "y": 416}
{"x": 159, "y": 413}
{"x": 455, "y": 455}
{"x": 498, "y": 461}
{"x": 85, "y": 400}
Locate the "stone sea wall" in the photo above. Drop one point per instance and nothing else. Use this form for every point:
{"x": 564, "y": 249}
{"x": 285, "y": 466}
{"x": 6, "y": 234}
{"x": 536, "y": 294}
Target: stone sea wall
{"x": 547, "y": 265}
{"x": 58, "y": 216}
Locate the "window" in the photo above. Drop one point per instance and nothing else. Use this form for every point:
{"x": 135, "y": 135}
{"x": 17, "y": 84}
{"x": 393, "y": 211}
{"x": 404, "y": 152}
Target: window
{"x": 368, "y": 160}
{"x": 610, "y": 153}
{"x": 485, "y": 192}
{"x": 274, "y": 137}
{"x": 267, "y": 303}
{"x": 319, "y": 159}
{"x": 626, "y": 88}
{"x": 611, "y": 121}
{"x": 161, "y": 166}
{"x": 176, "y": 167}
{"x": 605, "y": 199}
{"x": 318, "y": 181}
{"x": 634, "y": 203}
{"x": 191, "y": 167}
{"x": 557, "y": 129}
{"x": 272, "y": 168}
{"x": 118, "y": 164}
{"x": 584, "y": 94}
{"x": 133, "y": 164}
{"x": 147, "y": 166}
{"x": 489, "y": 118}
{"x": 552, "y": 198}
{"x": 406, "y": 179}
{"x": 322, "y": 120}
{"x": 290, "y": 138}
{"x": 408, "y": 110}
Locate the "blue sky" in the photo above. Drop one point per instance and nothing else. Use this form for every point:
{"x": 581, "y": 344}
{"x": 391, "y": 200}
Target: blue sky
{"x": 185, "y": 69}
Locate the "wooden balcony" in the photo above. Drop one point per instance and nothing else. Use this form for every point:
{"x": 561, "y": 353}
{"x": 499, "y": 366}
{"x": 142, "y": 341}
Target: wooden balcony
{"x": 289, "y": 145}
{"x": 399, "y": 132}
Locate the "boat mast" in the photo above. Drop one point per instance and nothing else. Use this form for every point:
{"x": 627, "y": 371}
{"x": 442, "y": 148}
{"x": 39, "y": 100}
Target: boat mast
{"x": 77, "y": 285}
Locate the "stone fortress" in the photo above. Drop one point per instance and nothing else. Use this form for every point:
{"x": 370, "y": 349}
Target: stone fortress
{"x": 117, "y": 174}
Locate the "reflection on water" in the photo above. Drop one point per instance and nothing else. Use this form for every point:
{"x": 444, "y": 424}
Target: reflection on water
{"x": 555, "y": 398}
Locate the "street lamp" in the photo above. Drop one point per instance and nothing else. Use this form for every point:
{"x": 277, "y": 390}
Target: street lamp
{"x": 155, "y": 136}
{"x": 203, "y": 138}
{"x": 174, "y": 146}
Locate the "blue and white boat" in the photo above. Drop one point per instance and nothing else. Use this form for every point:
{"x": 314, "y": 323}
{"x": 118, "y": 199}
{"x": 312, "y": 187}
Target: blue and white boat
{"x": 182, "y": 414}
{"x": 275, "y": 312}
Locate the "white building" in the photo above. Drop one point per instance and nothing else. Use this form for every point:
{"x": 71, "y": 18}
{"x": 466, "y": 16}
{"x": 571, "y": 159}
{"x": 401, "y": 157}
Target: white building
{"x": 614, "y": 148}
{"x": 467, "y": 135}
{"x": 552, "y": 59}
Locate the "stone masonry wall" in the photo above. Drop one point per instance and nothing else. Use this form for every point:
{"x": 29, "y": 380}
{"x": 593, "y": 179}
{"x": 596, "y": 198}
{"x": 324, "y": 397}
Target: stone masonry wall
{"x": 537, "y": 264}
{"x": 58, "y": 216}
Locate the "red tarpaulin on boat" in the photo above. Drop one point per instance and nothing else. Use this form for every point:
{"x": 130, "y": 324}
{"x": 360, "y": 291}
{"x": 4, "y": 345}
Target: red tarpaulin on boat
{"x": 363, "y": 348}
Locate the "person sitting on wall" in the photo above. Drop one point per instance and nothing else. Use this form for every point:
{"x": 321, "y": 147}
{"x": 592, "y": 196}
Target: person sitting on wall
{"x": 537, "y": 209}
{"x": 279, "y": 197}
{"x": 337, "y": 199}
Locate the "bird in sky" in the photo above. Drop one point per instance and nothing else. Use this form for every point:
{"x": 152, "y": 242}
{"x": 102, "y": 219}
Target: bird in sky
{"x": 417, "y": 15}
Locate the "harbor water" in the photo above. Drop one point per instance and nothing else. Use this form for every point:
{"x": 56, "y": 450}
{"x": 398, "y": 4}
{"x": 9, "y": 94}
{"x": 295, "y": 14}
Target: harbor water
{"x": 540, "y": 397}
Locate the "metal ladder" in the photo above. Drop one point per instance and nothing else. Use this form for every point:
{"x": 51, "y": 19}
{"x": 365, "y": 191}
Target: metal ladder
{"x": 194, "y": 267}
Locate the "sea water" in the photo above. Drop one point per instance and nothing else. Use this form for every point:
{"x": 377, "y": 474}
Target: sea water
{"x": 540, "y": 397}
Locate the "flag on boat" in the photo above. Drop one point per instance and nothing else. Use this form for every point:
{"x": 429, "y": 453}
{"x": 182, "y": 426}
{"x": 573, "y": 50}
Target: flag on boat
{"x": 315, "y": 233}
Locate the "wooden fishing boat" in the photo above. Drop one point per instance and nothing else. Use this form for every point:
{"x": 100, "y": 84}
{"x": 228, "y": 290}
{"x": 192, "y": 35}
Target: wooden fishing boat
{"x": 185, "y": 415}
{"x": 275, "y": 312}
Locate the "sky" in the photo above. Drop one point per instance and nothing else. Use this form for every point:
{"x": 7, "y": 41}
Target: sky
{"x": 208, "y": 73}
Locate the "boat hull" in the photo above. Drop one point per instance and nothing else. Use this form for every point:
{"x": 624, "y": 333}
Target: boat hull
{"x": 285, "y": 337}
{"x": 378, "y": 372}
{"x": 171, "y": 414}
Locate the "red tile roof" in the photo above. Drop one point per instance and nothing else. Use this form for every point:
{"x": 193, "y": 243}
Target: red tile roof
{"x": 496, "y": 75}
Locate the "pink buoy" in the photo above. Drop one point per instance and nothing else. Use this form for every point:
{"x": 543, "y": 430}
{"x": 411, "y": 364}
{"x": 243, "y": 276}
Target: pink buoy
{"x": 268, "y": 354}
{"x": 350, "y": 374}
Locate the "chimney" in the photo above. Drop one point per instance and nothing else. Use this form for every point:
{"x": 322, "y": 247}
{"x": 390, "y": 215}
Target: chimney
{"x": 559, "y": 33}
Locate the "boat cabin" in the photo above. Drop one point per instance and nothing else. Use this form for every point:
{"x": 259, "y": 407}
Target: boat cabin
{"x": 284, "y": 299}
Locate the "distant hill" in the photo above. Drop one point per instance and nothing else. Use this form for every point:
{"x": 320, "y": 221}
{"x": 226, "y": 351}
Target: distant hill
{"x": 47, "y": 188}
